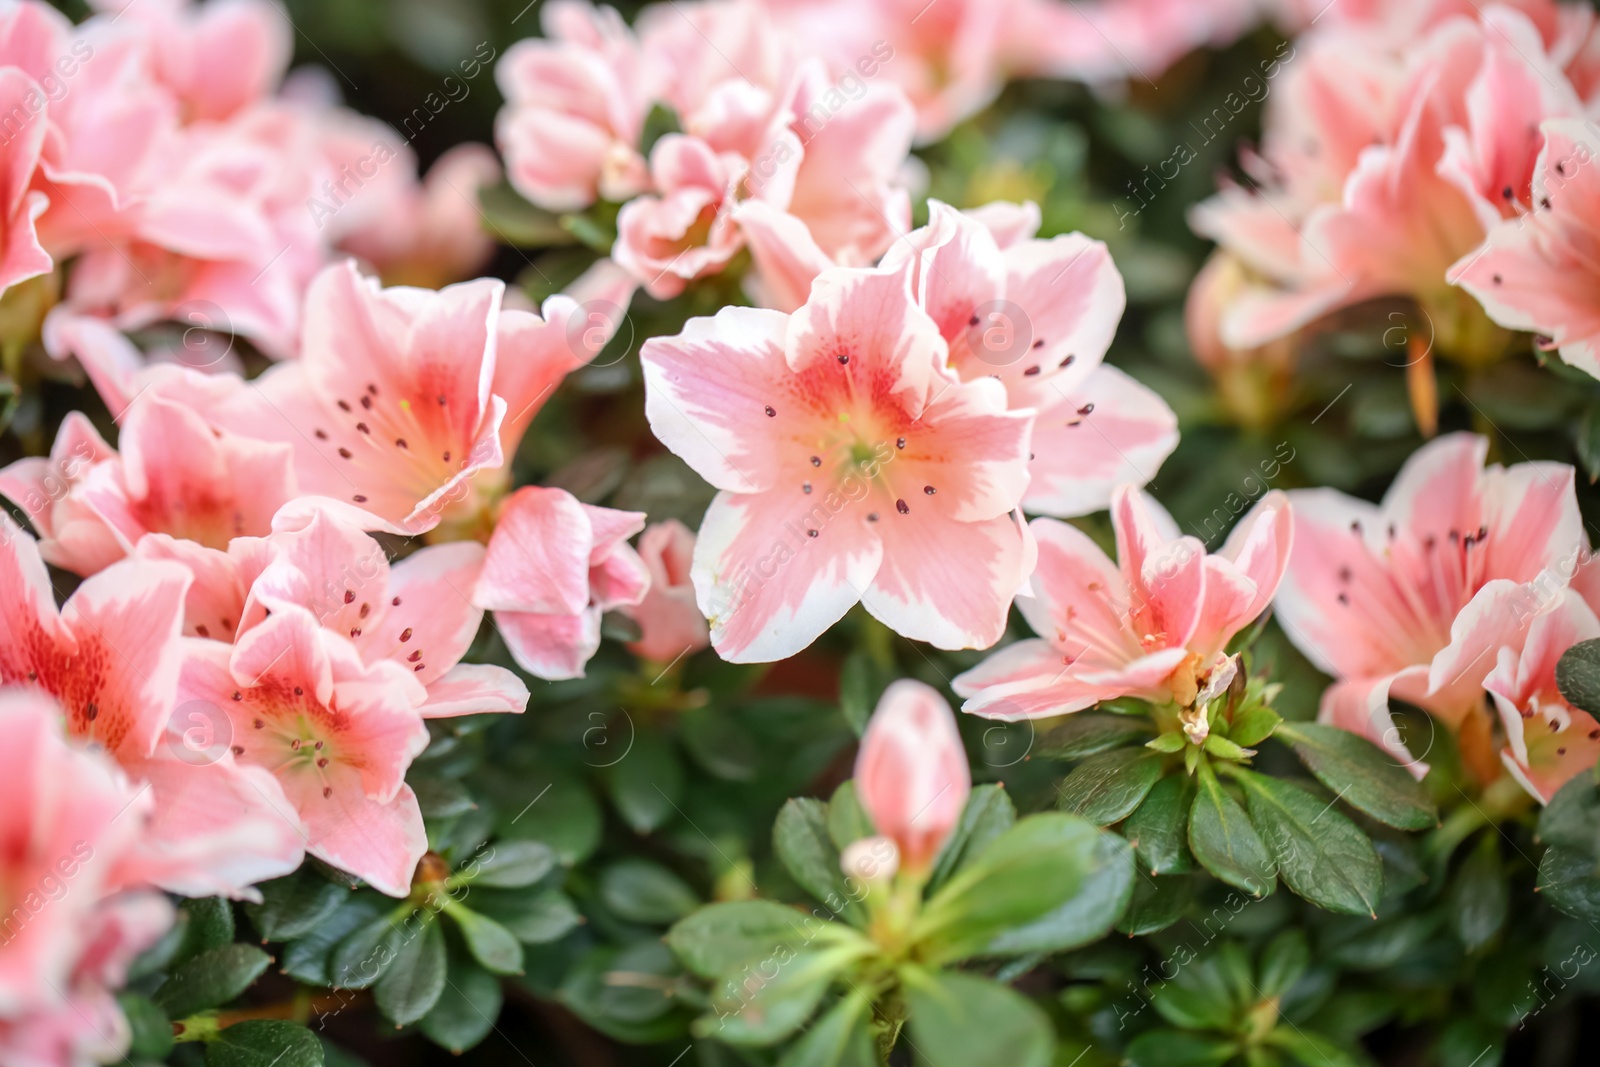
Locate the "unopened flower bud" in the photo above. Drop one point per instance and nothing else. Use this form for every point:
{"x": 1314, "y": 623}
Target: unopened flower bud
{"x": 911, "y": 774}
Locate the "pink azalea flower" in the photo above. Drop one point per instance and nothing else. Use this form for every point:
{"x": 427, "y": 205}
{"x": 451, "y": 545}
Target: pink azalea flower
{"x": 553, "y": 567}
{"x": 111, "y": 655}
{"x": 176, "y": 474}
{"x": 852, "y": 466}
{"x": 1153, "y": 625}
{"x": 1039, "y": 316}
{"x": 432, "y": 233}
{"x": 1407, "y": 598}
{"x": 335, "y": 732}
{"x": 1409, "y": 153}
{"x": 668, "y": 617}
{"x": 417, "y": 614}
{"x": 576, "y": 105}
{"x": 70, "y": 824}
{"x": 21, "y": 255}
{"x": 403, "y": 396}
{"x": 685, "y": 233}
{"x": 911, "y": 772}
{"x": 1548, "y": 741}
{"x": 1535, "y": 271}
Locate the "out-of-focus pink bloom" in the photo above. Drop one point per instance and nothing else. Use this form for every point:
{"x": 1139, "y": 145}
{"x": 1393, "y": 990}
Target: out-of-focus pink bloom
{"x": 1039, "y": 316}
{"x": 911, "y": 772}
{"x": 336, "y": 733}
{"x": 555, "y": 565}
{"x": 1409, "y": 598}
{"x": 576, "y": 106}
{"x": 1536, "y": 271}
{"x": 111, "y": 655}
{"x": 177, "y": 474}
{"x": 1152, "y": 625}
{"x": 852, "y": 465}
{"x": 70, "y": 825}
{"x": 668, "y": 617}
{"x": 21, "y": 255}
{"x": 433, "y": 235}
{"x": 1548, "y": 741}
{"x": 417, "y": 614}
{"x": 1380, "y": 170}
{"x": 403, "y": 395}
{"x": 686, "y": 232}
{"x": 219, "y": 57}
{"x": 1254, "y": 383}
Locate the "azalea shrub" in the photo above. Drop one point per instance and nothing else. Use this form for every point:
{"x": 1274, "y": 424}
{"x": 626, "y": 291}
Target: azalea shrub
{"x": 799, "y": 534}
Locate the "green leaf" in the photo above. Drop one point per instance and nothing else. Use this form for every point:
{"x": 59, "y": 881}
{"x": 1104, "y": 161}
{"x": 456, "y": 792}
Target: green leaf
{"x": 1106, "y": 788}
{"x": 294, "y": 906}
{"x": 364, "y": 954}
{"x": 532, "y": 918}
{"x": 490, "y": 943}
{"x": 1570, "y": 881}
{"x": 1176, "y": 1048}
{"x": 847, "y": 819}
{"x": 467, "y": 1008}
{"x": 842, "y": 1037}
{"x": 514, "y": 221}
{"x": 590, "y": 990}
{"x": 1167, "y": 743}
{"x": 988, "y": 814}
{"x": 1586, "y": 441}
{"x": 1254, "y": 726}
{"x": 1321, "y": 855}
{"x": 441, "y": 798}
{"x": 1158, "y": 828}
{"x": 1222, "y": 748}
{"x": 643, "y": 891}
{"x": 1283, "y": 961}
{"x": 1157, "y": 903}
{"x": 211, "y": 979}
{"x": 1578, "y": 675}
{"x": 1086, "y": 733}
{"x": 1089, "y": 915}
{"x": 149, "y": 1025}
{"x": 209, "y": 926}
{"x": 1312, "y": 1049}
{"x": 1572, "y": 818}
{"x": 636, "y": 986}
{"x": 1222, "y": 839}
{"x": 753, "y": 1009}
{"x": 721, "y": 938}
{"x": 800, "y": 838}
{"x": 545, "y": 804}
{"x": 721, "y": 744}
{"x": 1362, "y": 774}
{"x": 264, "y": 1043}
{"x": 661, "y": 121}
{"x": 411, "y": 987}
{"x": 1479, "y": 898}
{"x": 647, "y": 784}
{"x": 1024, "y": 874}
{"x": 959, "y": 1020}
{"x": 307, "y": 959}
{"x": 508, "y": 864}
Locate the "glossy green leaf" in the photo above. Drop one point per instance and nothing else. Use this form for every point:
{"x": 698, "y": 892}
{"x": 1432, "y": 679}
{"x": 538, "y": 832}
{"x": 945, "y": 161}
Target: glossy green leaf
{"x": 988, "y": 814}
{"x": 800, "y": 839}
{"x": 1086, "y": 733}
{"x": 211, "y": 979}
{"x": 149, "y": 1026}
{"x": 840, "y": 1037}
{"x": 1107, "y": 788}
{"x": 1572, "y": 818}
{"x": 1177, "y": 1048}
{"x": 647, "y": 784}
{"x": 467, "y": 1007}
{"x": 1226, "y": 844}
{"x": 1479, "y": 896}
{"x": 722, "y": 938}
{"x": 1320, "y": 854}
{"x": 508, "y": 864}
{"x": 308, "y": 958}
{"x": 643, "y": 891}
{"x": 264, "y": 1043}
{"x": 1362, "y": 774}
{"x": 294, "y": 906}
{"x": 847, "y": 820}
{"x": 960, "y": 1020}
{"x": 1570, "y": 881}
{"x": 1156, "y": 904}
{"x": 411, "y": 986}
{"x": 1578, "y": 675}
{"x": 1085, "y": 918}
{"x": 490, "y": 943}
{"x": 1159, "y": 828}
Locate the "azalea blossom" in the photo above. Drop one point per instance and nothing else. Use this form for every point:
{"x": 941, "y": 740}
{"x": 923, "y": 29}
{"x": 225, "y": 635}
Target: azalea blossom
{"x": 852, "y": 465}
{"x": 72, "y": 823}
{"x": 1548, "y": 741}
{"x": 111, "y": 656}
{"x": 553, "y": 567}
{"x": 1536, "y": 271}
{"x": 911, "y": 772}
{"x": 1408, "y": 598}
{"x": 670, "y": 622}
{"x": 1155, "y": 624}
{"x": 1383, "y": 164}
